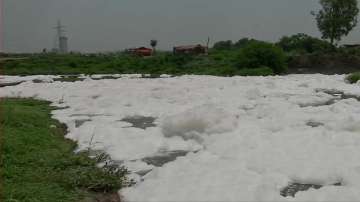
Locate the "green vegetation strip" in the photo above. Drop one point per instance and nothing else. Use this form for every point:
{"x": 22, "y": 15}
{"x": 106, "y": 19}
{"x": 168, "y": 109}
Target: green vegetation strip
{"x": 246, "y": 57}
{"x": 252, "y": 58}
{"x": 38, "y": 163}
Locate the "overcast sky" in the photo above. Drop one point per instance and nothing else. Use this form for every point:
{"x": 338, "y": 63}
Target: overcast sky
{"x": 108, "y": 25}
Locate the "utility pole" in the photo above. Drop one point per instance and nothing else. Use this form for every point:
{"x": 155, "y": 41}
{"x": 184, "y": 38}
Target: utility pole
{"x": 61, "y": 40}
{"x": 207, "y": 45}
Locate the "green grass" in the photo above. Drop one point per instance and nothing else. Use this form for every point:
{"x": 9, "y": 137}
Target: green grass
{"x": 217, "y": 63}
{"x": 38, "y": 163}
{"x": 353, "y": 78}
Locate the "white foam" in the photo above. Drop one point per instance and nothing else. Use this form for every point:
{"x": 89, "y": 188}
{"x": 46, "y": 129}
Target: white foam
{"x": 247, "y": 137}
{"x": 191, "y": 124}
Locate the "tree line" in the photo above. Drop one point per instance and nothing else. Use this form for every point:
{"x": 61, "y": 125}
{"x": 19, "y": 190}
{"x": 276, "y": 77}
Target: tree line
{"x": 335, "y": 19}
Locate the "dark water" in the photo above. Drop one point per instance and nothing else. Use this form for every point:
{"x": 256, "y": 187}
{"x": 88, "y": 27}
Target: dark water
{"x": 141, "y": 122}
{"x": 80, "y": 122}
{"x": 337, "y": 96}
{"x": 164, "y": 158}
{"x": 314, "y": 124}
{"x": 294, "y": 188}
{"x": 10, "y": 84}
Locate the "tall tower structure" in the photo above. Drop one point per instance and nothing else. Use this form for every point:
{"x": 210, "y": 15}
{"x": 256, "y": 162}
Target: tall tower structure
{"x": 61, "y": 42}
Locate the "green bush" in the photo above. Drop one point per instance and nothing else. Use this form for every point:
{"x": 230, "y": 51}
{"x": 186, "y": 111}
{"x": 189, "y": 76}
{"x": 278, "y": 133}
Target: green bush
{"x": 302, "y": 43}
{"x": 217, "y": 63}
{"x": 350, "y": 53}
{"x": 260, "y": 54}
{"x": 72, "y": 64}
{"x": 353, "y": 78}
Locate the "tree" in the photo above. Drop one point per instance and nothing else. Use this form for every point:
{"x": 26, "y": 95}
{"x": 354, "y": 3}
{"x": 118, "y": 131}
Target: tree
{"x": 153, "y": 44}
{"x": 336, "y": 18}
{"x": 242, "y": 43}
{"x": 262, "y": 54}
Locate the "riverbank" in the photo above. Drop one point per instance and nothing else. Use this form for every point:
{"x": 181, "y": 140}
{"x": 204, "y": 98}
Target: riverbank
{"x": 39, "y": 164}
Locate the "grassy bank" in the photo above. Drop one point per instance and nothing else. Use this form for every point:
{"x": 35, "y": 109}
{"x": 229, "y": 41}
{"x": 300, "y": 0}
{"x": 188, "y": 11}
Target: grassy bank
{"x": 255, "y": 58}
{"x": 216, "y": 63}
{"x": 38, "y": 164}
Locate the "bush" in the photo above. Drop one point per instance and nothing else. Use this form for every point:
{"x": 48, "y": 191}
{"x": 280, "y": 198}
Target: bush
{"x": 348, "y": 52}
{"x": 262, "y": 54}
{"x": 72, "y": 65}
{"x": 302, "y": 43}
{"x": 353, "y": 78}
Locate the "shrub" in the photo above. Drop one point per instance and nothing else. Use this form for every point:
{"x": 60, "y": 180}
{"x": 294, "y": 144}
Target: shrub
{"x": 349, "y": 52}
{"x": 353, "y": 78}
{"x": 72, "y": 64}
{"x": 260, "y": 54}
{"x": 302, "y": 43}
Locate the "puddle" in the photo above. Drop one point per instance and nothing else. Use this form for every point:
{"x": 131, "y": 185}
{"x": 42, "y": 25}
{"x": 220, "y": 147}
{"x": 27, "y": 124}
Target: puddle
{"x": 141, "y": 122}
{"x": 81, "y": 122}
{"x": 164, "y": 158}
{"x": 294, "y": 188}
{"x": 314, "y": 124}
{"x": 10, "y": 84}
{"x": 337, "y": 96}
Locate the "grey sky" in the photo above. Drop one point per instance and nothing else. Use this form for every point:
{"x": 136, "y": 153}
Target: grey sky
{"x": 107, "y": 25}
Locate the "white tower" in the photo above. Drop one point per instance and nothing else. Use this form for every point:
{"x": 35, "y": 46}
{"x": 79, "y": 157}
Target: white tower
{"x": 61, "y": 42}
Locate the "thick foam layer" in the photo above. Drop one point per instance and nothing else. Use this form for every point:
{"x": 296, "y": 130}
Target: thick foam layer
{"x": 216, "y": 139}
{"x": 198, "y": 121}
